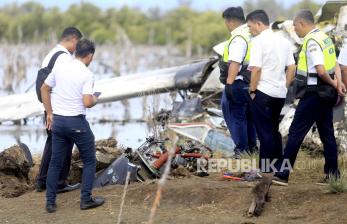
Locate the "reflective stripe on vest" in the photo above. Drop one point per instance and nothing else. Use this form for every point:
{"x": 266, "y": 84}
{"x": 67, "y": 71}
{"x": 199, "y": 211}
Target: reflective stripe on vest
{"x": 244, "y": 34}
{"x": 328, "y": 48}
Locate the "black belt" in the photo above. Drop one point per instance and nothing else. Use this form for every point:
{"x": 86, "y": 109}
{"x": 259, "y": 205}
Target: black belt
{"x": 77, "y": 116}
{"x": 316, "y": 75}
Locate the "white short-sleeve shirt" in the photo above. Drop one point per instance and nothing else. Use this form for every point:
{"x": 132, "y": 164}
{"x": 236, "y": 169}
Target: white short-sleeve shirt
{"x": 61, "y": 57}
{"x": 314, "y": 55}
{"x": 343, "y": 54}
{"x": 237, "y": 49}
{"x": 70, "y": 81}
{"x": 272, "y": 53}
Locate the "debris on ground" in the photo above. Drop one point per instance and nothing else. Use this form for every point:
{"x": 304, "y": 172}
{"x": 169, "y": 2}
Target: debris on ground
{"x": 107, "y": 151}
{"x": 205, "y": 134}
{"x": 116, "y": 173}
{"x": 261, "y": 195}
{"x": 152, "y": 155}
{"x": 242, "y": 176}
{"x": 15, "y": 164}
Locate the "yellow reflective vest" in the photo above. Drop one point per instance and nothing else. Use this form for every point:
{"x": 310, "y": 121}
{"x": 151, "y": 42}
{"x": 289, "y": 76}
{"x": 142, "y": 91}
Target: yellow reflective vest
{"x": 224, "y": 64}
{"x": 328, "y": 49}
{"x": 244, "y": 34}
{"x": 327, "y": 46}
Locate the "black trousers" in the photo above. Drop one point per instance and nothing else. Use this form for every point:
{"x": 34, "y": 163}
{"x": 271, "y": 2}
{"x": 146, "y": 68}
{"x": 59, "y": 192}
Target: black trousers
{"x": 266, "y": 112}
{"x": 311, "y": 109}
{"x": 46, "y": 159}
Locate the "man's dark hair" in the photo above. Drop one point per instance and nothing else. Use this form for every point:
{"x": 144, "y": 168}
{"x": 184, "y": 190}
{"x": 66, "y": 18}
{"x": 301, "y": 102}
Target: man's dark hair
{"x": 258, "y": 16}
{"x": 234, "y": 13}
{"x": 71, "y": 32}
{"x": 306, "y": 15}
{"x": 84, "y": 47}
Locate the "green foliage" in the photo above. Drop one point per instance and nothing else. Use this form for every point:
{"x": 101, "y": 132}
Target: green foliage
{"x": 305, "y": 4}
{"x": 102, "y": 35}
{"x": 182, "y": 26}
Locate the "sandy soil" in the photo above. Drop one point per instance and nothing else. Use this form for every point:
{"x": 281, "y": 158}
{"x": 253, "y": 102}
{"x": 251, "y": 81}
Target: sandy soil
{"x": 190, "y": 200}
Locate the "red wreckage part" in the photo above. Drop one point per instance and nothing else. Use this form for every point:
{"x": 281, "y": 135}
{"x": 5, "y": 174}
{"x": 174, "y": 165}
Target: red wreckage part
{"x": 163, "y": 157}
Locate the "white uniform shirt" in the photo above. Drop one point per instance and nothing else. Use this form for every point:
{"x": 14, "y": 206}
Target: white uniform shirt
{"x": 237, "y": 50}
{"x": 69, "y": 82}
{"x": 314, "y": 55}
{"x": 272, "y": 53}
{"x": 343, "y": 54}
{"x": 61, "y": 57}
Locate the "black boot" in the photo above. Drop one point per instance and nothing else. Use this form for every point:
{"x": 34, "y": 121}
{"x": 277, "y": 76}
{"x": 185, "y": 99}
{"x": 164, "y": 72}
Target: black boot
{"x": 92, "y": 203}
{"x": 51, "y": 208}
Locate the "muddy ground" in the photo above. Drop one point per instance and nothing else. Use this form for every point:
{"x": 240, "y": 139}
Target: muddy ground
{"x": 191, "y": 200}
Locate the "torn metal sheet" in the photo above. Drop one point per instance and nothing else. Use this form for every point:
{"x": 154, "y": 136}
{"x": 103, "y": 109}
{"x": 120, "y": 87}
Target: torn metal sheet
{"x": 144, "y": 157}
{"x": 206, "y": 135}
{"x": 212, "y": 83}
{"x": 341, "y": 26}
{"x": 116, "y": 173}
{"x": 330, "y": 10}
{"x": 187, "y": 109}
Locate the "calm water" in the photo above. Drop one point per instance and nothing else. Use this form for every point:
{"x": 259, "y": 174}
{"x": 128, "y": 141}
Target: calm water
{"x": 130, "y": 134}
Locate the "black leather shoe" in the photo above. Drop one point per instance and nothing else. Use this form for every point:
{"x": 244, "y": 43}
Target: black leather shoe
{"x": 39, "y": 186}
{"x": 68, "y": 188}
{"x": 51, "y": 208}
{"x": 92, "y": 203}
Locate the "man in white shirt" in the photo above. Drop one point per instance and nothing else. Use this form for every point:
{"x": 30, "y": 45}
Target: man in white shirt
{"x": 66, "y": 94}
{"x": 320, "y": 86}
{"x": 272, "y": 64}
{"x": 342, "y": 60}
{"x": 235, "y": 100}
{"x": 68, "y": 42}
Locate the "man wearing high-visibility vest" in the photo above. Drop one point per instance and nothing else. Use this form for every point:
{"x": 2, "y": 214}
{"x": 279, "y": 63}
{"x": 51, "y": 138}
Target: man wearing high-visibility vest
{"x": 234, "y": 74}
{"x": 317, "y": 86}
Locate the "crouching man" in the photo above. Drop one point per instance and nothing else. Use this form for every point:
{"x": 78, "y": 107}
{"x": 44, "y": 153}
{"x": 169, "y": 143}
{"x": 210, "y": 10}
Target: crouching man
{"x": 66, "y": 94}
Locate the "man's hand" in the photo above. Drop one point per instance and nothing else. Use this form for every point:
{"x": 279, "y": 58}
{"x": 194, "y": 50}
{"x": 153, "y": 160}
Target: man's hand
{"x": 89, "y": 100}
{"x": 49, "y": 121}
{"x": 228, "y": 91}
{"x": 341, "y": 89}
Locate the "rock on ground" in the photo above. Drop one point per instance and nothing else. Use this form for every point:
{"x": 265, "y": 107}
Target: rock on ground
{"x": 15, "y": 166}
{"x": 106, "y": 152}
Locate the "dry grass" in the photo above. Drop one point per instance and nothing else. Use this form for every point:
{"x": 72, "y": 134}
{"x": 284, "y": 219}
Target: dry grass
{"x": 337, "y": 185}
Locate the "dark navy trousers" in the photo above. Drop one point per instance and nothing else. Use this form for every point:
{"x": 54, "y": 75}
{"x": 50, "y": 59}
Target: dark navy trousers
{"x": 46, "y": 159}
{"x": 237, "y": 114}
{"x": 266, "y": 112}
{"x": 65, "y": 130}
{"x": 311, "y": 109}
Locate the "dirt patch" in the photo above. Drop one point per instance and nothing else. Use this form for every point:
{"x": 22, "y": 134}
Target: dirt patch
{"x": 11, "y": 186}
{"x": 193, "y": 200}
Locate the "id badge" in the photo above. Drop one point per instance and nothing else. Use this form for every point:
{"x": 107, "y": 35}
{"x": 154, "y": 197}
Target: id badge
{"x": 312, "y": 81}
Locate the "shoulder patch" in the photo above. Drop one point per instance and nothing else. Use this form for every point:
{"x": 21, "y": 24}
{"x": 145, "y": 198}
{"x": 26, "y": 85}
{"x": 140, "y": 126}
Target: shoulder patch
{"x": 312, "y": 45}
